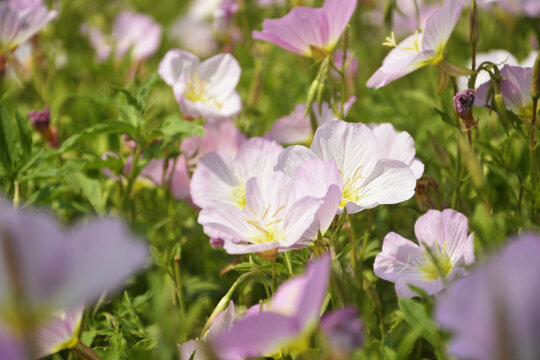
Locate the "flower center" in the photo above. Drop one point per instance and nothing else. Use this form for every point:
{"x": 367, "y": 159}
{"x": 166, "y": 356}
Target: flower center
{"x": 266, "y": 226}
{"x": 429, "y": 269}
{"x": 415, "y": 44}
{"x": 196, "y": 91}
{"x": 238, "y": 196}
{"x": 350, "y": 188}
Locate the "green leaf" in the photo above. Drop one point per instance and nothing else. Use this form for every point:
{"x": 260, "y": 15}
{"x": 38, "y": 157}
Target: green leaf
{"x": 104, "y": 128}
{"x": 91, "y": 189}
{"x": 174, "y": 125}
{"x": 416, "y": 316}
{"x": 7, "y": 140}
{"x": 25, "y": 134}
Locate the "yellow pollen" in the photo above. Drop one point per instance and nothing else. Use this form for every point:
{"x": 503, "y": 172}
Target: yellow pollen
{"x": 416, "y": 44}
{"x": 350, "y": 188}
{"x": 196, "y": 91}
{"x": 429, "y": 269}
{"x": 390, "y": 41}
{"x": 238, "y": 195}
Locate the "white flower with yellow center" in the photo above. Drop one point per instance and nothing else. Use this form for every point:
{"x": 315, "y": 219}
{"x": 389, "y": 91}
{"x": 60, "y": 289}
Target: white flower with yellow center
{"x": 368, "y": 180}
{"x": 274, "y": 218}
{"x": 444, "y": 251}
{"x": 203, "y": 89}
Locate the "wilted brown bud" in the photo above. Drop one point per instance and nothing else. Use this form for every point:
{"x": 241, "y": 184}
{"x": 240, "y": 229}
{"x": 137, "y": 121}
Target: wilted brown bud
{"x": 422, "y": 193}
{"x": 40, "y": 120}
{"x": 463, "y": 104}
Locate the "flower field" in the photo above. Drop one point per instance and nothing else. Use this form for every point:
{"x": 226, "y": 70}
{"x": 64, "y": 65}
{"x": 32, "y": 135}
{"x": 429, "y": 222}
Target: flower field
{"x": 269, "y": 179}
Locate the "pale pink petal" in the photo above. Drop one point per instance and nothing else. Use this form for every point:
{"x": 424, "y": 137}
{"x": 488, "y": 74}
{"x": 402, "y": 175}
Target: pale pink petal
{"x": 222, "y": 322}
{"x": 440, "y": 24}
{"x": 256, "y": 335}
{"x": 397, "y": 259}
{"x": 339, "y": 13}
{"x": 292, "y": 157}
{"x": 390, "y": 182}
{"x": 257, "y": 156}
{"x": 417, "y": 167}
{"x": 298, "y": 220}
{"x": 213, "y": 180}
{"x": 222, "y": 72}
{"x": 292, "y": 129}
{"x": 352, "y": 146}
{"x": 516, "y": 86}
{"x": 175, "y": 63}
{"x": 397, "y": 67}
{"x": 267, "y": 193}
{"x": 297, "y": 31}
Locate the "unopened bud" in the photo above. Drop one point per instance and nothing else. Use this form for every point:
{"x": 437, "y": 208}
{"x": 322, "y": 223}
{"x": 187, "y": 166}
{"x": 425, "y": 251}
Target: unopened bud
{"x": 216, "y": 242}
{"x": 463, "y": 104}
{"x": 40, "y": 120}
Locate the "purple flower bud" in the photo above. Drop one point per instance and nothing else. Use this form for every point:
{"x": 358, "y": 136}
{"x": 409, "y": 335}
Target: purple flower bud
{"x": 463, "y": 102}
{"x": 216, "y": 242}
{"x": 343, "y": 331}
{"x": 40, "y": 120}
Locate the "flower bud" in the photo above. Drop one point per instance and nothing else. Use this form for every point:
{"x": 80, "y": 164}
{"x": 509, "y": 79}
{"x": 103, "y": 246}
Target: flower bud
{"x": 40, "y": 120}
{"x": 463, "y": 103}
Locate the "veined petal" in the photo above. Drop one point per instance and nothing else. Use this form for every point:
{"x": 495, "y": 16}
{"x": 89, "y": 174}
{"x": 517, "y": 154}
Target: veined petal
{"x": 440, "y": 24}
{"x": 339, "y": 13}
{"x": 301, "y": 28}
{"x": 298, "y": 220}
{"x": 352, "y": 146}
{"x": 257, "y": 156}
{"x": 397, "y": 67}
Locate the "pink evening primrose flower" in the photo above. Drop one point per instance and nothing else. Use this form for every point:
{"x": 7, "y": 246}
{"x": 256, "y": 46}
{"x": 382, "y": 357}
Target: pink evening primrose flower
{"x": 287, "y": 320}
{"x": 203, "y": 89}
{"x": 304, "y": 28}
{"x": 274, "y": 218}
{"x": 133, "y": 34}
{"x": 494, "y": 313}
{"x": 422, "y": 48}
{"x": 368, "y": 180}
{"x": 296, "y": 128}
{"x": 53, "y": 268}
{"x": 397, "y": 146}
{"x": 20, "y": 20}
{"x": 219, "y": 178}
{"x": 60, "y": 332}
{"x": 515, "y": 89}
{"x": 403, "y": 262}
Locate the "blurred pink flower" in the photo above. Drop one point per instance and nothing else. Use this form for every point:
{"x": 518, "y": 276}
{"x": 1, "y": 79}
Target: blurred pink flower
{"x": 203, "y": 89}
{"x": 343, "y": 331}
{"x": 304, "y": 28}
{"x": 222, "y": 323}
{"x": 403, "y": 262}
{"x": 54, "y": 268}
{"x": 296, "y": 128}
{"x": 291, "y": 315}
{"x": 515, "y": 89}
{"x": 274, "y": 218}
{"x": 494, "y": 313}
{"x": 368, "y": 180}
{"x": 196, "y": 36}
{"x": 20, "y": 20}
{"x": 60, "y": 332}
{"x": 397, "y": 146}
{"x": 420, "y": 49}
{"x": 133, "y": 34}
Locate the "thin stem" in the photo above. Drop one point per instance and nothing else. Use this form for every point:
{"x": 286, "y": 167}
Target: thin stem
{"x": 132, "y": 175}
{"x": 16, "y": 198}
{"x": 178, "y": 283}
{"x": 85, "y": 352}
{"x": 274, "y": 276}
{"x": 532, "y": 153}
{"x": 350, "y": 233}
{"x": 288, "y": 262}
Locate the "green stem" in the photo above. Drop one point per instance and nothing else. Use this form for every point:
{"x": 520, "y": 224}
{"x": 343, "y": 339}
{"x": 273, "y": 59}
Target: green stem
{"x": 532, "y": 158}
{"x": 132, "y": 176}
{"x": 274, "y": 276}
{"x": 16, "y": 198}
{"x": 178, "y": 283}
{"x": 288, "y": 262}
{"x": 224, "y": 302}
{"x": 84, "y": 351}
